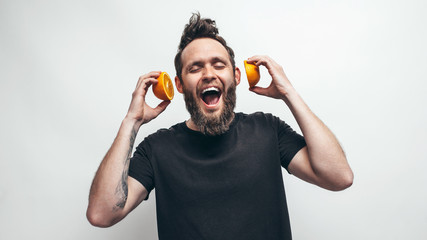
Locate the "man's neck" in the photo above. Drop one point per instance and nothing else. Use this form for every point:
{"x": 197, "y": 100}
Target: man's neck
{"x": 191, "y": 125}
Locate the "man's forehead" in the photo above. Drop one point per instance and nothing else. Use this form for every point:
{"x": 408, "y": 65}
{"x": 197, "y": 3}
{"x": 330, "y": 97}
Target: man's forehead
{"x": 203, "y": 49}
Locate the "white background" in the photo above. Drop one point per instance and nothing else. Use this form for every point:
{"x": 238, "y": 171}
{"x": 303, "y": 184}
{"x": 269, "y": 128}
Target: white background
{"x": 68, "y": 68}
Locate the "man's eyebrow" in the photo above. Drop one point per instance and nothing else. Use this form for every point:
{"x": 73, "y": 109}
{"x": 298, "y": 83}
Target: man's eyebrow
{"x": 195, "y": 63}
{"x": 218, "y": 59}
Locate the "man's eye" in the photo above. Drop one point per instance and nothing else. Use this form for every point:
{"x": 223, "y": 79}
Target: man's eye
{"x": 219, "y": 66}
{"x": 194, "y": 69}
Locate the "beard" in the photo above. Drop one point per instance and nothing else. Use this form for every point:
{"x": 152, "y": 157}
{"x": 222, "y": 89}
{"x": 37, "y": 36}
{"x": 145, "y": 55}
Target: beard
{"x": 212, "y": 124}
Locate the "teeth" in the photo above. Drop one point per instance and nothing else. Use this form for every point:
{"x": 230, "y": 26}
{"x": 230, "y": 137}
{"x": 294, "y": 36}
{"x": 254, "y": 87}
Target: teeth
{"x": 211, "y": 89}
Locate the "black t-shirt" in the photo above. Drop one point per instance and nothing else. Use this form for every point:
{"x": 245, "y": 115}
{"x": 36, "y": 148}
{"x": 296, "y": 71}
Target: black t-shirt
{"x": 219, "y": 187}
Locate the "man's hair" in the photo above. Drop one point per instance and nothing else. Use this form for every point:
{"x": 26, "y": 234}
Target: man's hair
{"x": 196, "y": 28}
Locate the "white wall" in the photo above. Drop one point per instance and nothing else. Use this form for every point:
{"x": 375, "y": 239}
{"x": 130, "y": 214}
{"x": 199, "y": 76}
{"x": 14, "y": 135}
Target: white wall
{"x": 68, "y": 68}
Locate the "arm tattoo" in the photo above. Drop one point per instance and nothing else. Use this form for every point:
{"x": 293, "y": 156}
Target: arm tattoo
{"x": 122, "y": 186}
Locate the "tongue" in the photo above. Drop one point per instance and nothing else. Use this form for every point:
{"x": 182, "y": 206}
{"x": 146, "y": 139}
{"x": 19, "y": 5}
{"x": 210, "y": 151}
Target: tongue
{"x": 211, "y": 99}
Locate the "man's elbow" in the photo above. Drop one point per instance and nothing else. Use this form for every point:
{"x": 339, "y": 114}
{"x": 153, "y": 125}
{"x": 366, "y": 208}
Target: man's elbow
{"x": 98, "y": 220}
{"x": 345, "y": 181}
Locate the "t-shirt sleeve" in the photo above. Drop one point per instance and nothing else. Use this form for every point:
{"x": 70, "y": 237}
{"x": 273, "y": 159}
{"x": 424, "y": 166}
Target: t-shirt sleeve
{"x": 140, "y": 167}
{"x": 290, "y": 142}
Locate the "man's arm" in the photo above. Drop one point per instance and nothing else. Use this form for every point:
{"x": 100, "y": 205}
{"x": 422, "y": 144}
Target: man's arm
{"x": 322, "y": 161}
{"x": 113, "y": 193}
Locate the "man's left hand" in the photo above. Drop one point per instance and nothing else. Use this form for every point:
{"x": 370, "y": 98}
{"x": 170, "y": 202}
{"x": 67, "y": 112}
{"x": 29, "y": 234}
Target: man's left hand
{"x": 280, "y": 86}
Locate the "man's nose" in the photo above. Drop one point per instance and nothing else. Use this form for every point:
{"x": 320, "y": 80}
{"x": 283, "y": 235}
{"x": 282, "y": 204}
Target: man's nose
{"x": 209, "y": 74}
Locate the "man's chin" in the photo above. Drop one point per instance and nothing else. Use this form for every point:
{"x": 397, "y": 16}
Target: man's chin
{"x": 211, "y": 121}
{"x": 211, "y": 114}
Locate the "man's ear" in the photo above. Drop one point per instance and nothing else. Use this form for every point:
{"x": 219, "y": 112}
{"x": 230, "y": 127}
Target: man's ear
{"x": 178, "y": 84}
{"x": 237, "y": 75}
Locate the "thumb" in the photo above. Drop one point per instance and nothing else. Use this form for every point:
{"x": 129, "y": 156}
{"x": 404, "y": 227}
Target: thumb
{"x": 152, "y": 113}
{"x": 259, "y": 90}
{"x": 161, "y": 107}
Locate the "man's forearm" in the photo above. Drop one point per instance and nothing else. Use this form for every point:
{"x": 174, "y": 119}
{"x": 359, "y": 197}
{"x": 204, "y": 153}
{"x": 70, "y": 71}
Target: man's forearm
{"x": 122, "y": 186}
{"x": 109, "y": 190}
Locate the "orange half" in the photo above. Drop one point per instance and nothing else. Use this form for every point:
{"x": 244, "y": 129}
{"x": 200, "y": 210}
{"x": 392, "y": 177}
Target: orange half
{"x": 163, "y": 89}
{"x": 252, "y": 72}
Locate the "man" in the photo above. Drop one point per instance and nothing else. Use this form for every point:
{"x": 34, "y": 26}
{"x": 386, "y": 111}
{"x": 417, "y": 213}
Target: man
{"x": 217, "y": 175}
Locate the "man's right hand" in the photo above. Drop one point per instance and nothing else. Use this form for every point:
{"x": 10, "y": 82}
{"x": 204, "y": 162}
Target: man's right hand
{"x": 139, "y": 110}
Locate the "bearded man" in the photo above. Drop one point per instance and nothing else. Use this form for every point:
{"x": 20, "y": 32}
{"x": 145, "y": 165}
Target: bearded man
{"x": 218, "y": 174}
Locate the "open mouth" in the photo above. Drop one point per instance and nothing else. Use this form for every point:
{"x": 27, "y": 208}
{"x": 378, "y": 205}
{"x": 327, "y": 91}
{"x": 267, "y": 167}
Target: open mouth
{"x": 211, "y": 96}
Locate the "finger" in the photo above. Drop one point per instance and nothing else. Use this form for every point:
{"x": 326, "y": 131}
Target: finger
{"x": 161, "y": 107}
{"x": 264, "y": 61}
{"x": 148, "y": 82}
{"x": 258, "y": 60}
{"x": 153, "y": 74}
{"x": 259, "y": 90}
{"x": 251, "y": 60}
{"x": 144, "y": 85}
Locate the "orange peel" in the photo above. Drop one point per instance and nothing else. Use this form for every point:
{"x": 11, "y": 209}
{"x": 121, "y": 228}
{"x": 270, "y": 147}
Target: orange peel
{"x": 252, "y": 73}
{"x": 163, "y": 89}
